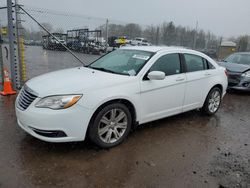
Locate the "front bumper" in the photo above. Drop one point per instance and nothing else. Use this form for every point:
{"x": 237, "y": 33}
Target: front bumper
{"x": 240, "y": 88}
{"x": 236, "y": 81}
{"x": 54, "y": 125}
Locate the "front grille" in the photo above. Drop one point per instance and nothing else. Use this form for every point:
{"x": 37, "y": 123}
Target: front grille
{"x": 25, "y": 99}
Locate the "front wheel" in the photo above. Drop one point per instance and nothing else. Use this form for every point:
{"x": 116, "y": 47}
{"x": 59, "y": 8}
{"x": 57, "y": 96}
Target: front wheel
{"x": 213, "y": 101}
{"x": 110, "y": 126}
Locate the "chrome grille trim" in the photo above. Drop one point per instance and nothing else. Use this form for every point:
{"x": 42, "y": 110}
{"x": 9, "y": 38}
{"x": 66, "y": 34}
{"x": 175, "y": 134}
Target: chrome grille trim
{"x": 25, "y": 98}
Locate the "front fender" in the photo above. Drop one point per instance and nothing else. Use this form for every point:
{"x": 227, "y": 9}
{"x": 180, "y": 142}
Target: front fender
{"x": 93, "y": 100}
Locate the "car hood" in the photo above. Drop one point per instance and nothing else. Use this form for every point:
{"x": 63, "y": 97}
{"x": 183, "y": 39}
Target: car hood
{"x": 233, "y": 67}
{"x": 74, "y": 81}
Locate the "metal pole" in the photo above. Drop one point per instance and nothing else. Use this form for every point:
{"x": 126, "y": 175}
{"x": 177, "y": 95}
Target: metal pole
{"x": 1, "y": 57}
{"x": 1, "y": 61}
{"x": 11, "y": 34}
{"x": 107, "y": 35}
{"x": 157, "y": 35}
{"x": 72, "y": 53}
{"x": 18, "y": 25}
{"x": 195, "y": 35}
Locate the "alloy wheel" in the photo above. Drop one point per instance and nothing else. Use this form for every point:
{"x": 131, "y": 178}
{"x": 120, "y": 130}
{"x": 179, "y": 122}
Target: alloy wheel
{"x": 112, "y": 125}
{"x": 214, "y": 101}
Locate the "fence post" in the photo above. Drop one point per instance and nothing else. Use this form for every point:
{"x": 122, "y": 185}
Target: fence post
{"x": 20, "y": 45}
{"x": 107, "y": 34}
{"x": 12, "y": 41}
{"x": 1, "y": 60}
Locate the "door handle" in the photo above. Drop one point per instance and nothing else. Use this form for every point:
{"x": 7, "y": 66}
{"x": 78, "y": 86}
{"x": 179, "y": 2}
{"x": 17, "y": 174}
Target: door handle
{"x": 207, "y": 74}
{"x": 180, "y": 79}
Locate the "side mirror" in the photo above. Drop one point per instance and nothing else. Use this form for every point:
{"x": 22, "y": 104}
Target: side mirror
{"x": 156, "y": 75}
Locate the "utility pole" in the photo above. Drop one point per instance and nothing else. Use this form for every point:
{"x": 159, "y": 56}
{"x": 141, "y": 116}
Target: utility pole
{"x": 195, "y": 35}
{"x": 13, "y": 55}
{"x": 157, "y": 35}
{"x": 1, "y": 56}
{"x": 107, "y": 34}
{"x": 1, "y": 59}
{"x": 17, "y": 31}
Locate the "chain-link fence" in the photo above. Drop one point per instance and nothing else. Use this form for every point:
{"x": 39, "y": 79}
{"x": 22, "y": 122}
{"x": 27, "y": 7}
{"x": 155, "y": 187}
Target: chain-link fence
{"x": 4, "y": 42}
{"x": 3, "y": 16}
{"x": 56, "y": 40}
{"x": 88, "y": 37}
{"x": 49, "y": 40}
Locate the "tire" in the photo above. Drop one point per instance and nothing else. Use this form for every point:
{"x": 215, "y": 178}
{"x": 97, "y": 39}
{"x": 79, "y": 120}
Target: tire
{"x": 110, "y": 126}
{"x": 212, "y": 102}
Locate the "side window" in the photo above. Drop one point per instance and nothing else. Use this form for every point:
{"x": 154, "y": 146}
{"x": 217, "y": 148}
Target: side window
{"x": 209, "y": 65}
{"x": 170, "y": 64}
{"x": 195, "y": 63}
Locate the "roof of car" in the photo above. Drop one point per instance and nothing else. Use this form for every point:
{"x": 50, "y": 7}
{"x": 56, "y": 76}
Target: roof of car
{"x": 156, "y": 48}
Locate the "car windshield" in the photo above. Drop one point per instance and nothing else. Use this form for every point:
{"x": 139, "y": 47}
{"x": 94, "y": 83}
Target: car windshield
{"x": 239, "y": 59}
{"x": 122, "y": 61}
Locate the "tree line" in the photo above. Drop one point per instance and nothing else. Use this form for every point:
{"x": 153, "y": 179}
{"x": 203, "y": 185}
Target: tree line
{"x": 169, "y": 34}
{"x": 166, "y": 33}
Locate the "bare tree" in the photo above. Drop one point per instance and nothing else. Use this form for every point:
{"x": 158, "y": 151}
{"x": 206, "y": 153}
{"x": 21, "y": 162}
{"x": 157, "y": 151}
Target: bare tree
{"x": 152, "y": 34}
{"x": 132, "y": 30}
{"x": 243, "y": 43}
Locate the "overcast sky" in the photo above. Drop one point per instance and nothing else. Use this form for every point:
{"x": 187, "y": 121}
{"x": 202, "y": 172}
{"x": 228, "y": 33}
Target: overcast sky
{"x": 222, "y": 17}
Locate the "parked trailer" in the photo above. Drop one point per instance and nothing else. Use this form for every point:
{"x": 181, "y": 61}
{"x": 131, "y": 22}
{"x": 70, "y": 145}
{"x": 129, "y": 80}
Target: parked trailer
{"x": 50, "y": 43}
{"x": 85, "y": 40}
{"x": 76, "y": 39}
{"x": 95, "y": 42}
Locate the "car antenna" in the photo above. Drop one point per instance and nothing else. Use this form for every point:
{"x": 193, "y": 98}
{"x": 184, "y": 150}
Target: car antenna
{"x": 72, "y": 53}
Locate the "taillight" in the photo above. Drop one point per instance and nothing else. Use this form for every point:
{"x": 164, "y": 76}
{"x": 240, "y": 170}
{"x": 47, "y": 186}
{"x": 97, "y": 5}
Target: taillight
{"x": 226, "y": 73}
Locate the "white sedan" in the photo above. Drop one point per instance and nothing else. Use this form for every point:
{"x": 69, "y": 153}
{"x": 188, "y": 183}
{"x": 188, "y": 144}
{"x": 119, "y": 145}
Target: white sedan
{"x": 127, "y": 87}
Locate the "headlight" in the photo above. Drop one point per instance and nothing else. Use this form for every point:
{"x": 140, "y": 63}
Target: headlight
{"x": 246, "y": 74}
{"x": 58, "y": 102}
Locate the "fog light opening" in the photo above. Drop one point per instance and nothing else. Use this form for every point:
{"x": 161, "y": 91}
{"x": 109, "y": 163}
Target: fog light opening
{"x": 246, "y": 84}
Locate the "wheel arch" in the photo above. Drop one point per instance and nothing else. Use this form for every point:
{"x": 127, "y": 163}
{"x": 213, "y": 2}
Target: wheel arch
{"x": 126, "y": 102}
{"x": 219, "y": 86}
{"x": 216, "y": 85}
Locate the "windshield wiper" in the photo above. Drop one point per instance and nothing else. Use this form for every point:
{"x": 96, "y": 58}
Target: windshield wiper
{"x": 102, "y": 69}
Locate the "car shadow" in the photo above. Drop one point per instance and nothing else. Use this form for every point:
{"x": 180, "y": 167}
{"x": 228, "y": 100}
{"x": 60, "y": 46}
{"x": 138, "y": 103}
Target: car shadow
{"x": 238, "y": 92}
{"x": 176, "y": 121}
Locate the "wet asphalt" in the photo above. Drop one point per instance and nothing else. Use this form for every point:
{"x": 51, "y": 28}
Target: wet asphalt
{"x": 187, "y": 150}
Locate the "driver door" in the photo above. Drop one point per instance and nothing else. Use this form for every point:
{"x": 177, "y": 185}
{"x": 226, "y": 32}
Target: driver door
{"x": 162, "y": 98}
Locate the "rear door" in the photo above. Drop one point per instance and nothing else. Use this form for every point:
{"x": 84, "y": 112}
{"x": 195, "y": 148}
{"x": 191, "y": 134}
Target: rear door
{"x": 198, "y": 73}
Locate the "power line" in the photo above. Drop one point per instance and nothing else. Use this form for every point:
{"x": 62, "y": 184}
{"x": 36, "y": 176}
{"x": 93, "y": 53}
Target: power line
{"x": 44, "y": 28}
{"x": 69, "y": 14}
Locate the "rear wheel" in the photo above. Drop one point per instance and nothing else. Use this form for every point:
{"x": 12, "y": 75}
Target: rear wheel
{"x": 213, "y": 101}
{"x": 111, "y": 125}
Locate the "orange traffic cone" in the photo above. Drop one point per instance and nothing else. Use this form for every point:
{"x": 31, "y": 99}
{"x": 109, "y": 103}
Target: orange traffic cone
{"x": 7, "y": 86}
